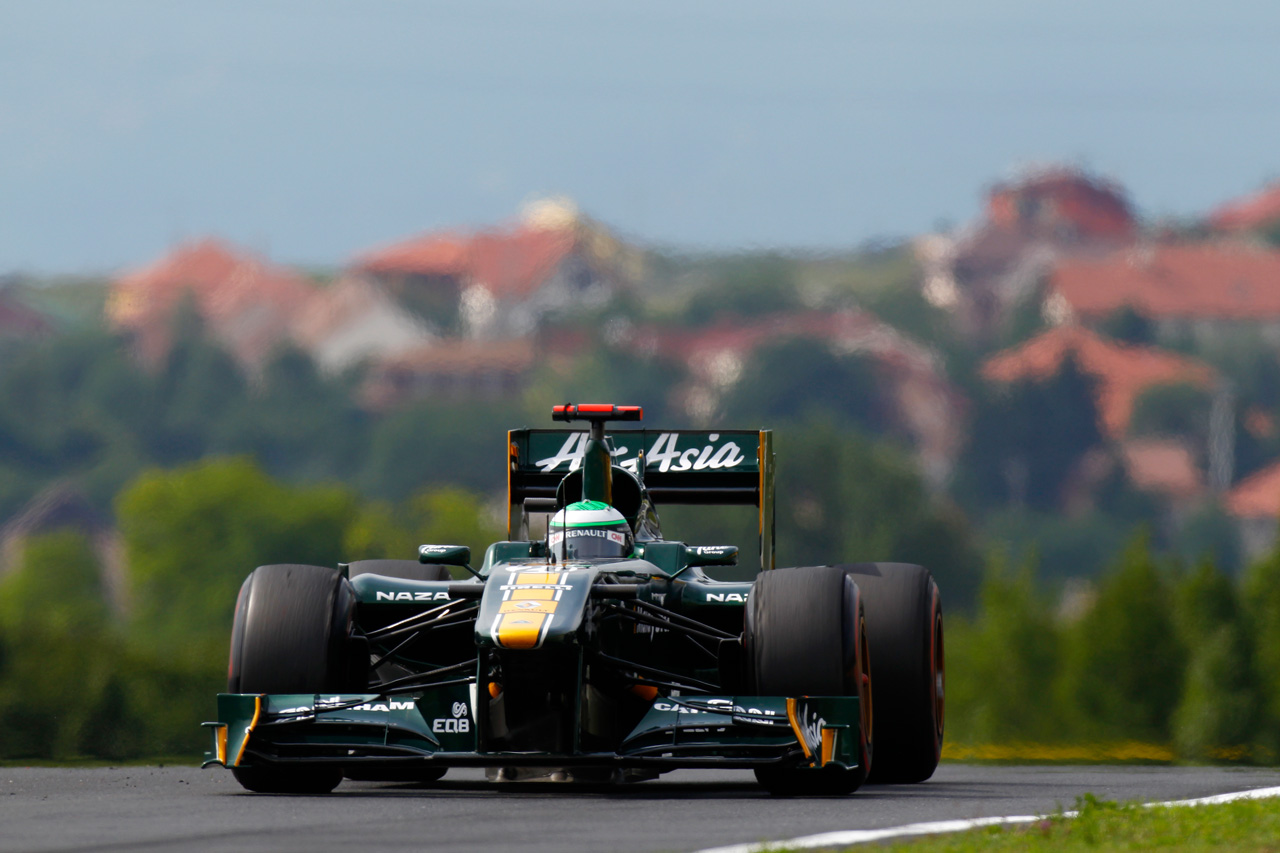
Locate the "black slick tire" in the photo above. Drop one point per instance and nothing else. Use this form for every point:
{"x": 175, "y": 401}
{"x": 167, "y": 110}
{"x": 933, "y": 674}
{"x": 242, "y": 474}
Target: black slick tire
{"x": 908, "y": 668}
{"x": 292, "y": 633}
{"x": 805, "y": 636}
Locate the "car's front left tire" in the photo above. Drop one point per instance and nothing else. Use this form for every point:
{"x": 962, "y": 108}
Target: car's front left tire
{"x": 806, "y": 636}
{"x": 293, "y": 633}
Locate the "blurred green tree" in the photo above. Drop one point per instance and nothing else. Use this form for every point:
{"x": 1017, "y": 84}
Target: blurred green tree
{"x": 1174, "y": 409}
{"x": 436, "y": 443}
{"x": 798, "y": 380}
{"x": 745, "y": 286}
{"x": 849, "y": 498}
{"x": 1026, "y": 438}
{"x": 297, "y": 423}
{"x": 193, "y": 533}
{"x": 1124, "y": 660}
{"x": 1261, "y": 593}
{"x": 62, "y": 659}
{"x": 1219, "y": 702}
{"x": 605, "y": 373}
{"x": 1013, "y": 642}
{"x": 442, "y": 516}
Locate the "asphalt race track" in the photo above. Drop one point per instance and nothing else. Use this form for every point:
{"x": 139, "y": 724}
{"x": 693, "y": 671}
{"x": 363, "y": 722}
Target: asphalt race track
{"x": 172, "y": 808}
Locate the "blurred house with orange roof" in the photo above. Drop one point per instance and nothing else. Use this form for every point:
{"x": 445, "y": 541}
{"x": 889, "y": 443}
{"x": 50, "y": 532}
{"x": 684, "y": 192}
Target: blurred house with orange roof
{"x": 502, "y": 282}
{"x": 1121, "y": 373}
{"x": 1255, "y": 504}
{"x": 1206, "y": 291}
{"x": 1257, "y": 212}
{"x": 449, "y": 369}
{"x": 1163, "y": 466}
{"x": 981, "y": 274}
{"x": 247, "y": 303}
{"x": 354, "y": 320}
{"x": 926, "y": 407}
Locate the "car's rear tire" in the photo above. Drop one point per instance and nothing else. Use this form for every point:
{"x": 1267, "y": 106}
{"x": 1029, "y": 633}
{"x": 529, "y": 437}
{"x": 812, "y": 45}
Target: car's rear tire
{"x": 410, "y": 570}
{"x": 293, "y": 633}
{"x": 806, "y": 636}
{"x": 908, "y": 668}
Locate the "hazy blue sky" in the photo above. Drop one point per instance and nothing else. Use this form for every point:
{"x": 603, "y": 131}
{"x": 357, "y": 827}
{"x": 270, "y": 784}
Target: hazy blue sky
{"x": 313, "y": 130}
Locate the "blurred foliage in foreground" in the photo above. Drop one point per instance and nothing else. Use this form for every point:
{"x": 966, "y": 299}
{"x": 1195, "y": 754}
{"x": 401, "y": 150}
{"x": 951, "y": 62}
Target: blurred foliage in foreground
{"x": 1154, "y": 653}
{"x": 78, "y": 680}
{"x": 1182, "y": 659}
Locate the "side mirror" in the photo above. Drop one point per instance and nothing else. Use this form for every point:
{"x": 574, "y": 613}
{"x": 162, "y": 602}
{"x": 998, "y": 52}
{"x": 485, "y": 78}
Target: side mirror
{"x": 711, "y": 555}
{"x": 444, "y": 555}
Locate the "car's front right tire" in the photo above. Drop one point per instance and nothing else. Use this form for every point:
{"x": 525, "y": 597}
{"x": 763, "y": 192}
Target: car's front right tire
{"x": 908, "y": 668}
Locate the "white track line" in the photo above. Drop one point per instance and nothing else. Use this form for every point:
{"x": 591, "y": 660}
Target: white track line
{"x": 847, "y": 837}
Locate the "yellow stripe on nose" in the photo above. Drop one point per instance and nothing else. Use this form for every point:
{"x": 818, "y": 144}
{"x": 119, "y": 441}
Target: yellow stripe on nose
{"x": 537, "y": 578}
{"x": 528, "y": 606}
{"x": 520, "y": 630}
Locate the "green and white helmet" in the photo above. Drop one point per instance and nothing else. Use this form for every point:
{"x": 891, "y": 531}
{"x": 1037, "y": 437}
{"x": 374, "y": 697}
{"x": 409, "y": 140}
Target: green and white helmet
{"x": 586, "y": 530}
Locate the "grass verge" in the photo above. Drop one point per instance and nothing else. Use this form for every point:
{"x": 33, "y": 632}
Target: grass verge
{"x": 1115, "y": 752}
{"x": 1252, "y": 825}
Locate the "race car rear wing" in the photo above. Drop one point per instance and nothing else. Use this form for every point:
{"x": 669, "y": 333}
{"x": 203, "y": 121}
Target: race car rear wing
{"x": 708, "y": 467}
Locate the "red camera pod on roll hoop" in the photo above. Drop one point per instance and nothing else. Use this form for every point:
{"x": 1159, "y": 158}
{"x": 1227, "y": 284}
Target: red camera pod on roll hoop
{"x": 596, "y": 412}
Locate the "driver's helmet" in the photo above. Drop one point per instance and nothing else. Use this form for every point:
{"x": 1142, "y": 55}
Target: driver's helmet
{"x": 588, "y": 529}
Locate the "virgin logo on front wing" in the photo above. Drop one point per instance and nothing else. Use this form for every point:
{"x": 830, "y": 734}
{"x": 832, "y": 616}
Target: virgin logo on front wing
{"x": 811, "y": 726}
{"x": 665, "y": 455}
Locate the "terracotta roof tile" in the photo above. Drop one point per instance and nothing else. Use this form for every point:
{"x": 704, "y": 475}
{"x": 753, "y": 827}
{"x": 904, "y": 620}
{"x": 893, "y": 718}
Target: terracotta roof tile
{"x": 438, "y": 253}
{"x": 514, "y": 264}
{"x": 1122, "y": 372}
{"x": 1258, "y": 495}
{"x": 1223, "y": 281}
{"x": 1059, "y": 196}
{"x": 1244, "y": 214}
{"x": 510, "y": 262}
{"x": 246, "y": 301}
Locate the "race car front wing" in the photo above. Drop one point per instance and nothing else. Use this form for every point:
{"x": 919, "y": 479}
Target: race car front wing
{"x": 438, "y": 728}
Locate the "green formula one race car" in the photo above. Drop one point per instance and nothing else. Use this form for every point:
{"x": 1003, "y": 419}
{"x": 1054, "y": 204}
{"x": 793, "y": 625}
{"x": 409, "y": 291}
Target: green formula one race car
{"x": 600, "y": 652}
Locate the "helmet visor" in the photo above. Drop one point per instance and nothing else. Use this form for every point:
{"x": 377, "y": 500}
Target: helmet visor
{"x": 585, "y": 543}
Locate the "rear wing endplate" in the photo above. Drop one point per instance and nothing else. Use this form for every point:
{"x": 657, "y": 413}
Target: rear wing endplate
{"x": 708, "y": 467}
